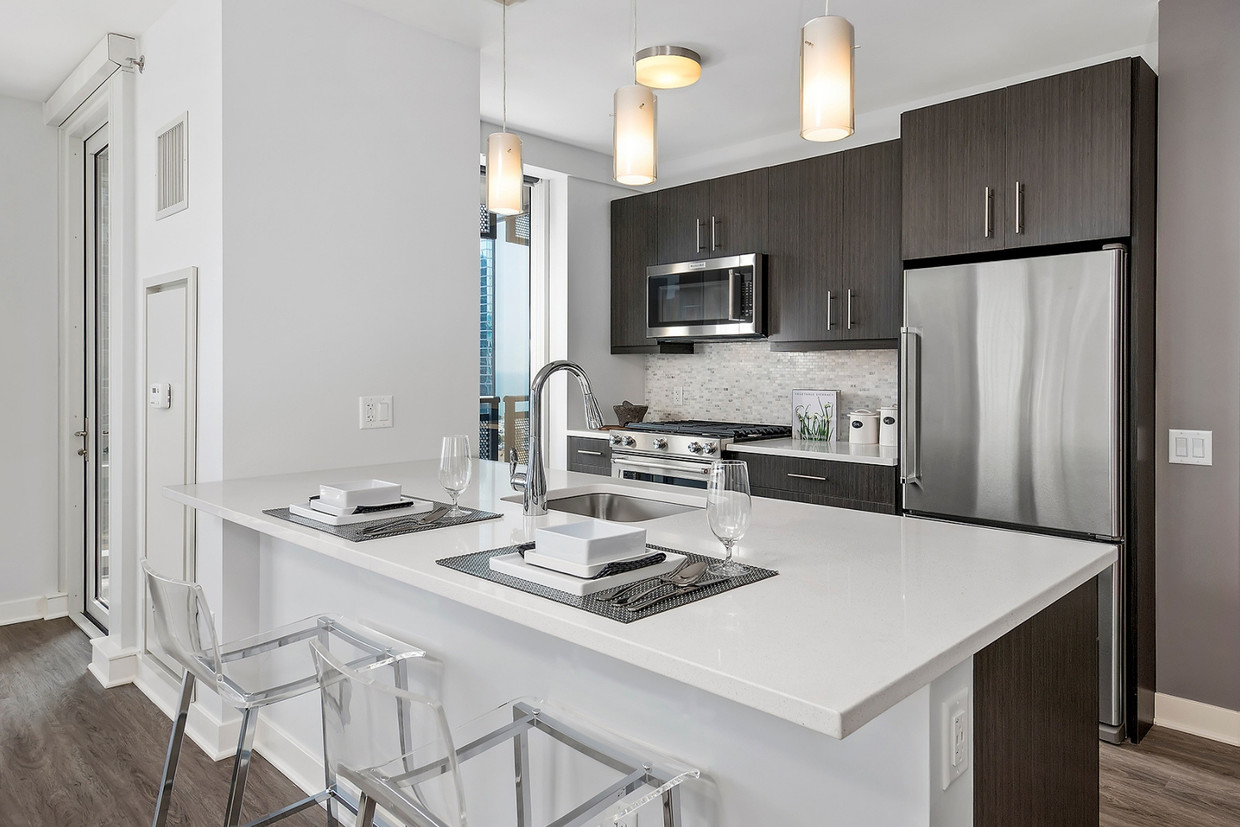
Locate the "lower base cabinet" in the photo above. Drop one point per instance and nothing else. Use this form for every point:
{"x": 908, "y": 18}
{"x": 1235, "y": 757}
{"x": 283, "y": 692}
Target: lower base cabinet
{"x": 824, "y": 482}
{"x": 589, "y": 456}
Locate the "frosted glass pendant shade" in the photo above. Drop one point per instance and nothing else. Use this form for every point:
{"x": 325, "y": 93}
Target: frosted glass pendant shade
{"x": 504, "y": 173}
{"x": 633, "y": 140}
{"x": 826, "y": 79}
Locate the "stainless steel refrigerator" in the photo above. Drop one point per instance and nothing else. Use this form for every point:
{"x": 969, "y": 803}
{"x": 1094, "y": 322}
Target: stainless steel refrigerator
{"x": 1012, "y": 398}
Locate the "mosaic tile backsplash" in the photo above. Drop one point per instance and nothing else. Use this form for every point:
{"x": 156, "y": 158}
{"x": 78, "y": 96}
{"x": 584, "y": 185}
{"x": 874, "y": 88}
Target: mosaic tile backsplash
{"x": 747, "y": 382}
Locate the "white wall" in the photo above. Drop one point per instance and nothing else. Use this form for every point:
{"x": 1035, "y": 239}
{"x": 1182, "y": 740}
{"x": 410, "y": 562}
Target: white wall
{"x": 614, "y": 378}
{"x": 350, "y": 207}
{"x": 29, "y": 328}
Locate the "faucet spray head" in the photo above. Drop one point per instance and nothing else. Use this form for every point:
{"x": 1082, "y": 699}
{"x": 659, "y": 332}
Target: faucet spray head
{"x": 594, "y": 417}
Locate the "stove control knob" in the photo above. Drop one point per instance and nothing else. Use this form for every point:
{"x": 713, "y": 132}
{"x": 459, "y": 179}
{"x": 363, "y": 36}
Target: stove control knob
{"x": 629, "y": 441}
{"x": 660, "y": 443}
{"x": 617, "y": 439}
{"x": 710, "y": 447}
{"x": 696, "y": 447}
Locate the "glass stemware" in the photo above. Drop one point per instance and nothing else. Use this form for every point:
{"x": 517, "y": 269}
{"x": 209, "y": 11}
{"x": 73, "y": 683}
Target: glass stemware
{"x": 455, "y": 468}
{"x": 727, "y": 509}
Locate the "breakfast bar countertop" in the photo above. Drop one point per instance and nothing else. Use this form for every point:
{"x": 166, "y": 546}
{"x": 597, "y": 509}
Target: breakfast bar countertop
{"x": 868, "y": 608}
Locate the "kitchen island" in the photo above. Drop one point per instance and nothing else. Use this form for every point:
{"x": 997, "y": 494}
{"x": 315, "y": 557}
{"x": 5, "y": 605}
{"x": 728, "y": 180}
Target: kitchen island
{"x": 808, "y": 698}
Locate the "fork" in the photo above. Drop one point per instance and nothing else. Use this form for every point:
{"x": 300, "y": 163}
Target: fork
{"x": 395, "y": 525}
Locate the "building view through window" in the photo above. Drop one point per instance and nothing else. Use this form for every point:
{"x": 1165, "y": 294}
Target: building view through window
{"x": 504, "y": 341}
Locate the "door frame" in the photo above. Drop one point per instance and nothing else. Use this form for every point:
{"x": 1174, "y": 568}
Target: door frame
{"x": 92, "y": 146}
{"x": 112, "y": 103}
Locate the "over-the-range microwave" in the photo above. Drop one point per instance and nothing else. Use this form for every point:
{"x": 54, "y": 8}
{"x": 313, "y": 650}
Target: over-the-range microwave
{"x": 714, "y": 298}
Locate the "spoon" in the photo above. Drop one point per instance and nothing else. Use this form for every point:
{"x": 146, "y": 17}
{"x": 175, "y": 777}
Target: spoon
{"x": 685, "y": 576}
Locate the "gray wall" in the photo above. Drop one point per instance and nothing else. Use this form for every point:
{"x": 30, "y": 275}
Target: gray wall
{"x": 1199, "y": 349}
{"x": 29, "y": 342}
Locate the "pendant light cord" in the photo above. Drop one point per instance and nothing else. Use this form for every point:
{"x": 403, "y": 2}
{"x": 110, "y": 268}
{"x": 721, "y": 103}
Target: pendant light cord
{"x": 504, "y": 93}
{"x": 634, "y": 58}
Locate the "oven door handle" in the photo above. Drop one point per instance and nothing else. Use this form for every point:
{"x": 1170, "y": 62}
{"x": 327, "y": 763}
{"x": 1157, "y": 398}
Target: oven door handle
{"x": 660, "y": 466}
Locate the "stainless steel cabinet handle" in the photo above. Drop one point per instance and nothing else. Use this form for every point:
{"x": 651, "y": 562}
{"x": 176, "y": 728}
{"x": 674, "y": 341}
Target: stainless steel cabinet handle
{"x": 850, "y": 308}
{"x": 1020, "y": 208}
{"x": 591, "y": 453}
{"x": 808, "y": 477}
{"x": 828, "y": 310}
{"x": 910, "y": 406}
{"x": 697, "y": 235}
{"x": 989, "y": 208}
{"x": 714, "y": 245}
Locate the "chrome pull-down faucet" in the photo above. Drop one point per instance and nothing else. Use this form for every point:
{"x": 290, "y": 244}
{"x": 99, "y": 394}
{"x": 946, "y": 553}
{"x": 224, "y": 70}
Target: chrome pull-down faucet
{"x": 534, "y": 481}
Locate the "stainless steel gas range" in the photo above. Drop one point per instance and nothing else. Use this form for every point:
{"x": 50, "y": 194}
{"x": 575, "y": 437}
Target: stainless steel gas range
{"x": 679, "y": 453}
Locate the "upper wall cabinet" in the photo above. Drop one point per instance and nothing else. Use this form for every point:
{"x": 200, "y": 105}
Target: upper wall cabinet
{"x": 833, "y": 253}
{"x": 1045, "y": 162}
{"x": 722, "y": 217}
{"x": 634, "y": 247}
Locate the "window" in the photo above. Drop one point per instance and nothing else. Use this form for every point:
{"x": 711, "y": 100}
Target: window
{"x": 504, "y": 329}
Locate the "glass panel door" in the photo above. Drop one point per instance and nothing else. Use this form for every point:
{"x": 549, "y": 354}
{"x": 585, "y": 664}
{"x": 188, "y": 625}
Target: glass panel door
{"x": 95, "y": 439}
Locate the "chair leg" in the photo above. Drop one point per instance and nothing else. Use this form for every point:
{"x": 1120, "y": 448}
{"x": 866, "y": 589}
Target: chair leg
{"x": 164, "y": 799}
{"x": 365, "y": 811}
{"x": 671, "y": 807}
{"x": 521, "y": 750}
{"x": 241, "y": 767}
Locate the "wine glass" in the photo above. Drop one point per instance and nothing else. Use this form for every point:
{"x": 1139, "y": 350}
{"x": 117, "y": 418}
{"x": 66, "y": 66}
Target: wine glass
{"x": 727, "y": 509}
{"x": 455, "y": 468}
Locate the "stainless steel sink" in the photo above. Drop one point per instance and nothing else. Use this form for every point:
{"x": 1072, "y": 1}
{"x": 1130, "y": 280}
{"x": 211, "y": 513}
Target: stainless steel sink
{"x": 618, "y": 508}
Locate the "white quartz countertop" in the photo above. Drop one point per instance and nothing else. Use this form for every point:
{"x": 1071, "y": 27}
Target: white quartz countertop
{"x": 588, "y": 434}
{"x": 867, "y": 609}
{"x": 842, "y": 451}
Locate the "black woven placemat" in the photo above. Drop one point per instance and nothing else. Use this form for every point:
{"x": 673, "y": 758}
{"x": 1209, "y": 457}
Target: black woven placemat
{"x": 354, "y": 533}
{"x": 478, "y": 564}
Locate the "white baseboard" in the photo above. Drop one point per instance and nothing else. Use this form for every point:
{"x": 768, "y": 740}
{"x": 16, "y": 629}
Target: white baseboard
{"x": 218, "y": 739}
{"x": 110, "y": 664}
{"x": 57, "y": 605}
{"x": 302, "y": 766}
{"x": 44, "y": 607}
{"x": 1196, "y": 718}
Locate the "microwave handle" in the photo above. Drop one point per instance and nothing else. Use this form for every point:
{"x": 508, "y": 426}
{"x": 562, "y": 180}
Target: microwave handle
{"x": 732, "y": 317}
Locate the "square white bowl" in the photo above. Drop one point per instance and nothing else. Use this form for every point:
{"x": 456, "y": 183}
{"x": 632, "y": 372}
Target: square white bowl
{"x": 590, "y": 541}
{"x": 360, "y": 492}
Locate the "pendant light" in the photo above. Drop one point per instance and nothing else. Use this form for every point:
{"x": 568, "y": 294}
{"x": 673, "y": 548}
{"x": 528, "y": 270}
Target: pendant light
{"x": 634, "y": 148}
{"x": 827, "y": 79}
{"x": 505, "y": 177}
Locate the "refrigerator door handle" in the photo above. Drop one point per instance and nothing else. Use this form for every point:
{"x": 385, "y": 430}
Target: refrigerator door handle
{"x": 910, "y": 405}
{"x": 1119, "y": 393}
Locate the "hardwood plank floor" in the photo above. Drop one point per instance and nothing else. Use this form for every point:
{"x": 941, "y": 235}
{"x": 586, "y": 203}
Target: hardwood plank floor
{"x": 1170, "y": 779}
{"x": 73, "y": 753}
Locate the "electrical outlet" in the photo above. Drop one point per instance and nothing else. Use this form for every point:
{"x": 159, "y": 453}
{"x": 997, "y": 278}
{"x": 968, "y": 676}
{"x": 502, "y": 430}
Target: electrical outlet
{"x": 957, "y": 733}
{"x": 678, "y": 395}
{"x": 374, "y": 412}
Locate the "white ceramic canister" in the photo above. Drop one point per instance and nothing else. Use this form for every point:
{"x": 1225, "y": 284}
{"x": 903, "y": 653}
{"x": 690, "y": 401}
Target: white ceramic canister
{"x": 862, "y": 427}
{"x": 889, "y": 425}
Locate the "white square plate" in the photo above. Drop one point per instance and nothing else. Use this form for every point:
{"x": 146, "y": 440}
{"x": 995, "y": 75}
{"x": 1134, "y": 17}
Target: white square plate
{"x": 590, "y": 541}
{"x": 360, "y": 492}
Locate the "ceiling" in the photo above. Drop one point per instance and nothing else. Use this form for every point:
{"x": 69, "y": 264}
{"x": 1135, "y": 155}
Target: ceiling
{"x": 566, "y": 57}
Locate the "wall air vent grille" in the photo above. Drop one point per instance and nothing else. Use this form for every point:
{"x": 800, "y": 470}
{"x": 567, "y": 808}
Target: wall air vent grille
{"x": 172, "y": 170}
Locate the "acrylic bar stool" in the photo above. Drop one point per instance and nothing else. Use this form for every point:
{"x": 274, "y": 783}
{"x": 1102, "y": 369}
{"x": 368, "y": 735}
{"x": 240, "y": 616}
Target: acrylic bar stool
{"x": 255, "y": 672}
{"x": 423, "y": 786}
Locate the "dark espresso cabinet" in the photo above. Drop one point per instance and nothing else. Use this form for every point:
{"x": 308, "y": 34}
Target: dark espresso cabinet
{"x": 833, "y": 249}
{"x": 823, "y": 482}
{"x": 708, "y": 219}
{"x": 634, "y": 240}
{"x": 1041, "y": 163}
{"x": 589, "y": 455}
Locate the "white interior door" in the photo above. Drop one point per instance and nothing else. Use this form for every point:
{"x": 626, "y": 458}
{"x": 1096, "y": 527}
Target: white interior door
{"x": 97, "y": 420}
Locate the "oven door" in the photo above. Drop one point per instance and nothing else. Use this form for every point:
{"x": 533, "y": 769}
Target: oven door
{"x": 686, "y": 473}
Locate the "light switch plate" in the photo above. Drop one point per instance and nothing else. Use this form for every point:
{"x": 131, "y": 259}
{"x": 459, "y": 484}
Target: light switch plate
{"x": 1190, "y": 447}
{"x": 374, "y": 412}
